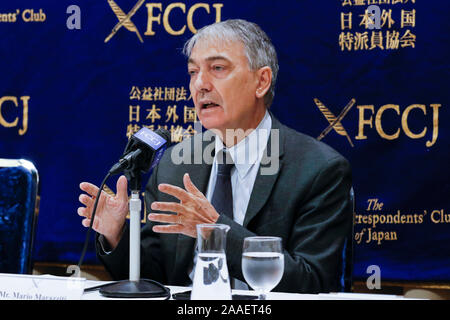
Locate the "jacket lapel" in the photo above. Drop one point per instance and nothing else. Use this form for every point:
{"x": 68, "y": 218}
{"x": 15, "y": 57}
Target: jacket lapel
{"x": 267, "y": 173}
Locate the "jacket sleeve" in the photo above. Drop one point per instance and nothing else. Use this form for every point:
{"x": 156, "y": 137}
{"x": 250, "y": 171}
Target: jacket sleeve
{"x": 314, "y": 250}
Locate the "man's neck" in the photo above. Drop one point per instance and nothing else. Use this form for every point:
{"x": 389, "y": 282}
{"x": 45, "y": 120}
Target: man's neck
{"x": 231, "y": 137}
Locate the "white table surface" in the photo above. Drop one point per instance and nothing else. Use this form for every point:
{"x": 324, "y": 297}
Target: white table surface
{"x": 95, "y": 295}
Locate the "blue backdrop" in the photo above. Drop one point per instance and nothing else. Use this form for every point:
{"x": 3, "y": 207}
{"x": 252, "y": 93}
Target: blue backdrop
{"x": 68, "y": 101}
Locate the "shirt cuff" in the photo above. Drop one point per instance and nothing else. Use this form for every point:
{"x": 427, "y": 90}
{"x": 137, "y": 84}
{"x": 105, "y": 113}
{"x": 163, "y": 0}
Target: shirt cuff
{"x": 104, "y": 245}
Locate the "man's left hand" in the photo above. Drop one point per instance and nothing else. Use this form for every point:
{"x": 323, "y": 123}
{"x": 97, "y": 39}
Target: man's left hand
{"x": 194, "y": 208}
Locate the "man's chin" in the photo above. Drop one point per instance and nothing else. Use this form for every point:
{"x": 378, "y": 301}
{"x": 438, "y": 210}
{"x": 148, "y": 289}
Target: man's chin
{"x": 213, "y": 124}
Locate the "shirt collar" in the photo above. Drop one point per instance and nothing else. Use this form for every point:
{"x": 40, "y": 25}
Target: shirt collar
{"x": 250, "y": 150}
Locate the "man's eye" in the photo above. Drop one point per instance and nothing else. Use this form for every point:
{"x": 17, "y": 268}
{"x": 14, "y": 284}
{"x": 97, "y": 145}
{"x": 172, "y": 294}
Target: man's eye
{"x": 192, "y": 72}
{"x": 218, "y": 68}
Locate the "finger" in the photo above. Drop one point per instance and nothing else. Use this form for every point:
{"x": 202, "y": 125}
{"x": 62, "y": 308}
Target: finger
{"x": 190, "y": 186}
{"x": 168, "y": 206}
{"x": 171, "y": 228}
{"x": 86, "y": 222}
{"x": 175, "y": 191}
{"x": 83, "y": 212}
{"x": 86, "y": 200}
{"x": 166, "y": 218}
{"x": 89, "y": 188}
{"x": 122, "y": 188}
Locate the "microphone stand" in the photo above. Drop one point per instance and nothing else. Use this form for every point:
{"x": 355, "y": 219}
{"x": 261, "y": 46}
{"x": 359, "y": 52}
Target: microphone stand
{"x": 135, "y": 287}
{"x": 135, "y": 227}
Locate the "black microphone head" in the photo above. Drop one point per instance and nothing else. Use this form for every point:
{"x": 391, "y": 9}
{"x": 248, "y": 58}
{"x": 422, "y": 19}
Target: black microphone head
{"x": 165, "y": 134}
{"x": 147, "y": 139}
{"x": 152, "y": 144}
{"x": 143, "y": 152}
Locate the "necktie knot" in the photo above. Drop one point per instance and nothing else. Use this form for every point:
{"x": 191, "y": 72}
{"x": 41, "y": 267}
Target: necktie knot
{"x": 224, "y": 163}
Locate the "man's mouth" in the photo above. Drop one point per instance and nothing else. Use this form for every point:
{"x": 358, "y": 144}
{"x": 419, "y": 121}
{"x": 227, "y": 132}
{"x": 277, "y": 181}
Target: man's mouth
{"x": 208, "y": 105}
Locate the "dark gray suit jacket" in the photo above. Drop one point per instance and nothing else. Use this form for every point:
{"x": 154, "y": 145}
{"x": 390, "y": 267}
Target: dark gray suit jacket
{"x": 306, "y": 203}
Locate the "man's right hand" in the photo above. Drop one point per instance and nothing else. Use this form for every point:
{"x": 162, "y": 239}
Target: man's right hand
{"x": 111, "y": 211}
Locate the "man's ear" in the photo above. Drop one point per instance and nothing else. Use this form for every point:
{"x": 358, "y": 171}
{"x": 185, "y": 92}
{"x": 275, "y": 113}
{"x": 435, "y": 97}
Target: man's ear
{"x": 264, "y": 76}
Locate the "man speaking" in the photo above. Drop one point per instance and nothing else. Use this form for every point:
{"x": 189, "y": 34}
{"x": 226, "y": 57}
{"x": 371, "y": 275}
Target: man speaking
{"x": 304, "y": 199}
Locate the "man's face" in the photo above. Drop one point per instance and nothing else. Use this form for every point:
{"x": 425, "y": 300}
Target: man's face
{"x": 223, "y": 87}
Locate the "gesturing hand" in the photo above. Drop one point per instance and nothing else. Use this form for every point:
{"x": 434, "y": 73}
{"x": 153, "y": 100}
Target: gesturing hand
{"x": 111, "y": 211}
{"x": 193, "y": 208}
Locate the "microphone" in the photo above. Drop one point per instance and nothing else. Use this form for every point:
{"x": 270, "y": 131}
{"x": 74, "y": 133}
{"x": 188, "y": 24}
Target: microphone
{"x": 143, "y": 151}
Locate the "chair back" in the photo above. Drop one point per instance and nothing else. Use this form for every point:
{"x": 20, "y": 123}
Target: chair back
{"x": 347, "y": 253}
{"x": 19, "y": 203}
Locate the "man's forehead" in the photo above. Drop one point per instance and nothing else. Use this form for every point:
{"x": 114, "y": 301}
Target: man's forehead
{"x": 208, "y": 50}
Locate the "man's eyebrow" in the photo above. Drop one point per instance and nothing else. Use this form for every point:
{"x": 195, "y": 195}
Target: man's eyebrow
{"x": 211, "y": 58}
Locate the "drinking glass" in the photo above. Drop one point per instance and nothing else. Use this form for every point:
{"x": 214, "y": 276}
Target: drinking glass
{"x": 211, "y": 280}
{"x": 262, "y": 263}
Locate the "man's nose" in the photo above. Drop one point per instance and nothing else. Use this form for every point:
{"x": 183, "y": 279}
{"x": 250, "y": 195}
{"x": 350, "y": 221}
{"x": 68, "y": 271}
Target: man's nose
{"x": 202, "y": 82}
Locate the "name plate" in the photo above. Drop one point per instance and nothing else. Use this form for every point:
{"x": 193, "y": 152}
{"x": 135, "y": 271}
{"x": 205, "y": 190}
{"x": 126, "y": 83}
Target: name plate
{"x": 43, "y": 287}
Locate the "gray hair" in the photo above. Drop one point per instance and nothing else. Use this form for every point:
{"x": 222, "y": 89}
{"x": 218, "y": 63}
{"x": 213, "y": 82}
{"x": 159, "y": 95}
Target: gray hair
{"x": 258, "y": 48}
